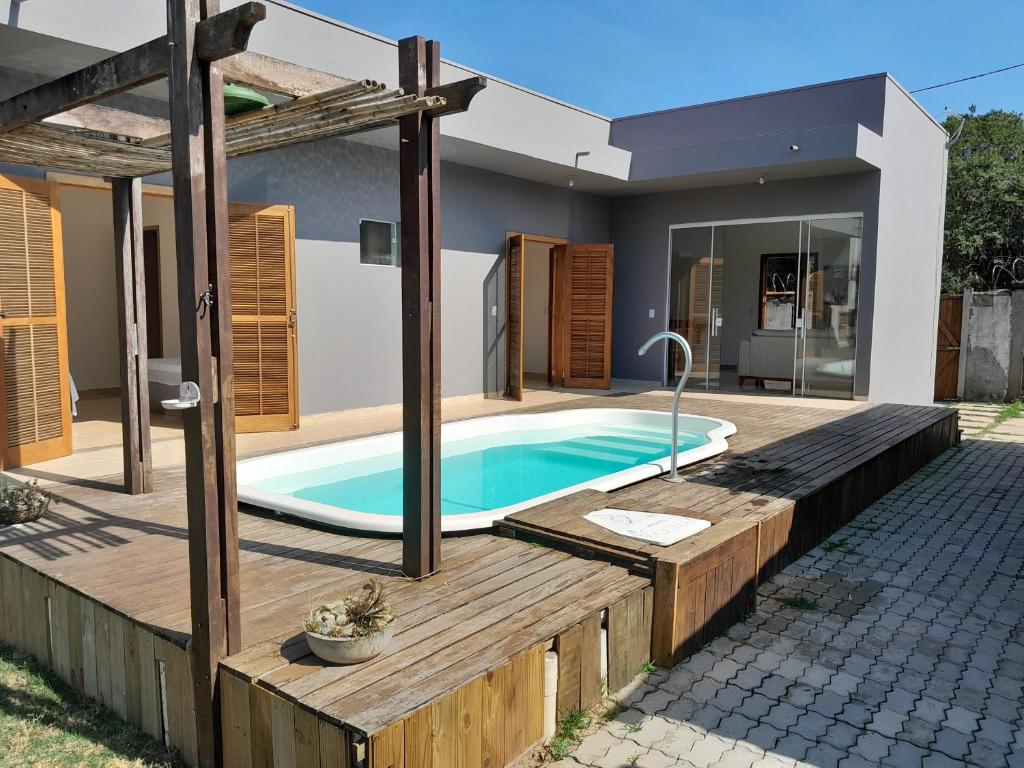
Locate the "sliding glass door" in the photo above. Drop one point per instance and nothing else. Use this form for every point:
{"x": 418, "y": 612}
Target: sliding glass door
{"x": 781, "y": 318}
{"x": 826, "y": 334}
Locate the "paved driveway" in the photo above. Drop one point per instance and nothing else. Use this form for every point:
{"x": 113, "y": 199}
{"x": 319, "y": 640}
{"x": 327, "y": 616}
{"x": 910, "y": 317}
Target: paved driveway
{"x": 904, "y": 647}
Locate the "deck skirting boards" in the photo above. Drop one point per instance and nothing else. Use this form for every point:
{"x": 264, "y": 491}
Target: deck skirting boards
{"x": 122, "y": 664}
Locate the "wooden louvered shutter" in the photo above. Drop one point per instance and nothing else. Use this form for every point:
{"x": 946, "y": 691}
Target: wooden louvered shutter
{"x": 35, "y": 398}
{"x": 514, "y": 315}
{"x": 263, "y": 317}
{"x": 582, "y": 329}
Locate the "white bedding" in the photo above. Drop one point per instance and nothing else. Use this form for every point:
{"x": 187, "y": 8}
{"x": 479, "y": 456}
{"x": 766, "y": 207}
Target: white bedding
{"x": 165, "y": 370}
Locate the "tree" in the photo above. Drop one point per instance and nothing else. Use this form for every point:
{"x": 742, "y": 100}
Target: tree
{"x": 984, "y": 200}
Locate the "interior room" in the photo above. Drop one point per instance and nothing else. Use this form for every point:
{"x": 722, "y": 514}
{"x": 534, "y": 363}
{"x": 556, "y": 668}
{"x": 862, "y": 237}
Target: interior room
{"x": 536, "y": 311}
{"x": 767, "y": 305}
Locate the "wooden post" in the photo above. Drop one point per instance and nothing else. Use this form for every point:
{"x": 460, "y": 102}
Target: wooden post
{"x": 131, "y": 316}
{"x": 419, "y": 171}
{"x": 187, "y": 81}
{"x": 219, "y": 268}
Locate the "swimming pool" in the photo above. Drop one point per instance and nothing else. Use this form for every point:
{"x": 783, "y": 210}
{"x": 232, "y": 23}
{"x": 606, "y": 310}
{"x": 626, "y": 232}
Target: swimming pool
{"x": 490, "y": 466}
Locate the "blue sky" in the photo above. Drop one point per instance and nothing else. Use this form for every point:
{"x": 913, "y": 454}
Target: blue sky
{"x": 620, "y": 58}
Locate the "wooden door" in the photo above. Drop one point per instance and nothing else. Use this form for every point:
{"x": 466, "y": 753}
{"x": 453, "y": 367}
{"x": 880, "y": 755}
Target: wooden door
{"x": 263, "y": 317}
{"x": 514, "y": 260}
{"x": 581, "y": 325}
{"x": 35, "y": 400}
{"x": 947, "y": 358}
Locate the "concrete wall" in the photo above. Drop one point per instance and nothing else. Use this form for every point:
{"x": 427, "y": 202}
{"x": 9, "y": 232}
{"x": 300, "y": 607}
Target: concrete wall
{"x": 640, "y": 232}
{"x": 987, "y": 346}
{"x": 349, "y": 313}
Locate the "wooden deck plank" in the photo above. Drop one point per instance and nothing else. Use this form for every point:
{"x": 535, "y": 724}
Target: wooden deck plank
{"x": 459, "y": 633}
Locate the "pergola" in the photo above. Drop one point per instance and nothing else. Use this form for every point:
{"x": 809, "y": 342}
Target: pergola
{"x": 59, "y": 125}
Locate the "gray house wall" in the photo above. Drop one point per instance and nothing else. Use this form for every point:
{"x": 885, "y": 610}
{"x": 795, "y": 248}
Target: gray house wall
{"x": 349, "y": 313}
{"x": 640, "y": 232}
{"x": 909, "y": 269}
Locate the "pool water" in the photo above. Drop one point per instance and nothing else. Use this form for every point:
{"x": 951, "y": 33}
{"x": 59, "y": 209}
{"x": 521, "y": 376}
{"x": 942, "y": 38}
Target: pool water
{"x": 476, "y": 479}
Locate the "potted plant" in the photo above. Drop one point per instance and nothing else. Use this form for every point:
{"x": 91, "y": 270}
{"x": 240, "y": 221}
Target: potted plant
{"x": 353, "y": 629}
{"x": 23, "y": 503}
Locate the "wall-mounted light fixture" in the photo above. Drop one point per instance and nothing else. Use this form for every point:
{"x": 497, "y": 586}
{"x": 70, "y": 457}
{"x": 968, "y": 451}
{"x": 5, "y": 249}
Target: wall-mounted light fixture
{"x": 572, "y": 182}
{"x": 761, "y": 179}
{"x": 794, "y": 147}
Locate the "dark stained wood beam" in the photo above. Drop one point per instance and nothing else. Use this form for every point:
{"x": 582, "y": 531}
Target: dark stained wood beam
{"x": 219, "y": 271}
{"x": 419, "y": 175}
{"x": 187, "y": 82}
{"x": 225, "y": 34}
{"x": 131, "y": 314}
{"x": 457, "y": 95}
{"x": 278, "y": 76}
{"x": 123, "y": 71}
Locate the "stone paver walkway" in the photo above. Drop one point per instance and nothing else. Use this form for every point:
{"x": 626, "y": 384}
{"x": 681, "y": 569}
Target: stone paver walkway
{"x": 911, "y": 653}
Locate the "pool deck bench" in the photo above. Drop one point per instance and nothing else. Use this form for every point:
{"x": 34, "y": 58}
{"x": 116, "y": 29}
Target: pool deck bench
{"x": 98, "y": 590}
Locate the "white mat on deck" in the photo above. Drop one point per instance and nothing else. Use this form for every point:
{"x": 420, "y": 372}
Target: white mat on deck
{"x": 653, "y": 527}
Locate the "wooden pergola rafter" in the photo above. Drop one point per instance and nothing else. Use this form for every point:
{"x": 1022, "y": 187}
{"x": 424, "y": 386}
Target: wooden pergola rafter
{"x": 59, "y": 125}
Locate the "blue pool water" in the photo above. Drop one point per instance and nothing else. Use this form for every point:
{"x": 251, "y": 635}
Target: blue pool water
{"x": 488, "y": 478}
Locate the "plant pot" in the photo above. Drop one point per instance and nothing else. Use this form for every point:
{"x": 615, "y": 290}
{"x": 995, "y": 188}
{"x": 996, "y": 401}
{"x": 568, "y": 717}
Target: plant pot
{"x": 20, "y": 514}
{"x": 350, "y": 650}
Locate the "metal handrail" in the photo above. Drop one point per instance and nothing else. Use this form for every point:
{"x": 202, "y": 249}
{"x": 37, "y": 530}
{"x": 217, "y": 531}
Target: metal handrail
{"x": 673, "y": 475}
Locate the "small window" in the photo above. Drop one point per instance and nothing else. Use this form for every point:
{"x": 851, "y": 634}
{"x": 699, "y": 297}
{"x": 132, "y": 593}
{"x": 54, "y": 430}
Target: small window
{"x": 378, "y": 243}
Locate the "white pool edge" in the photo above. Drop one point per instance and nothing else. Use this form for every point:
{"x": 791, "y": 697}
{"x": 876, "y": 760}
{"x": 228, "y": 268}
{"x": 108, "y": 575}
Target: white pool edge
{"x": 376, "y": 523}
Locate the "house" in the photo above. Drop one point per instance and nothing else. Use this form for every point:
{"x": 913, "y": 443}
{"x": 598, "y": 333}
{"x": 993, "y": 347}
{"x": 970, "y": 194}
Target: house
{"x": 793, "y": 237}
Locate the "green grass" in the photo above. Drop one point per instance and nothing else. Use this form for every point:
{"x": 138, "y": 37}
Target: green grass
{"x": 568, "y": 734}
{"x": 614, "y": 711}
{"x": 44, "y": 723}
{"x": 1009, "y": 411}
{"x": 647, "y": 668}
{"x": 798, "y": 602}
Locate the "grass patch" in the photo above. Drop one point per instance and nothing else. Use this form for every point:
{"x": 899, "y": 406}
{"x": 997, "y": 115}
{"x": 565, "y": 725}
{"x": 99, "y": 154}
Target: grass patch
{"x": 45, "y": 723}
{"x": 614, "y": 711}
{"x": 648, "y": 668}
{"x": 1009, "y": 411}
{"x": 798, "y": 602}
{"x": 536, "y": 545}
{"x": 568, "y": 734}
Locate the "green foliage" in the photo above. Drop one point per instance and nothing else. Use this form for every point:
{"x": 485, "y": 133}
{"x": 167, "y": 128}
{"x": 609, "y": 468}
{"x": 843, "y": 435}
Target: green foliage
{"x": 984, "y": 200}
{"x": 798, "y": 602}
{"x": 568, "y": 734}
{"x": 1009, "y": 411}
{"x": 647, "y": 668}
{"x": 44, "y": 723}
{"x": 357, "y": 615}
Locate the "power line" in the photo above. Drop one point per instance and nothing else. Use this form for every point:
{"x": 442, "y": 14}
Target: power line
{"x": 965, "y": 79}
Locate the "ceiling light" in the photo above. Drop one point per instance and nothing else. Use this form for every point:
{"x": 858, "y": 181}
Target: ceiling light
{"x": 761, "y": 178}
{"x": 794, "y": 147}
{"x": 572, "y": 181}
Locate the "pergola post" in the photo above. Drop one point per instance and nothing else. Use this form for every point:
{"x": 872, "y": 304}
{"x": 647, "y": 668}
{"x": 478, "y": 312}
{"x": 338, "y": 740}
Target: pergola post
{"x": 214, "y": 596}
{"x": 420, "y": 180}
{"x": 219, "y": 270}
{"x": 131, "y": 315}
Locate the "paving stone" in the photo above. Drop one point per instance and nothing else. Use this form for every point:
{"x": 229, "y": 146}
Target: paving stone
{"x": 873, "y": 746}
{"x": 913, "y": 656}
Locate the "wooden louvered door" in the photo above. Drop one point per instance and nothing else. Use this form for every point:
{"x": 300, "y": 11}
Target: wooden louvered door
{"x": 263, "y": 317}
{"x": 514, "y": 260}
{"x": 35, "y": 424}
{"x": 581, "y": 330}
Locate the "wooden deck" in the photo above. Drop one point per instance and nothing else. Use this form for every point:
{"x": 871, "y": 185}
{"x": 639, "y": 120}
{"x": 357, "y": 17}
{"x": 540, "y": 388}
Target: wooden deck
{"x": 106, "y": 576}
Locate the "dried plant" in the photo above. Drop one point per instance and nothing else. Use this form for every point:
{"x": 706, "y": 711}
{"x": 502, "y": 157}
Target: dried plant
{"x": 23, "y": 503}
{"x": 366, "y": 612}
